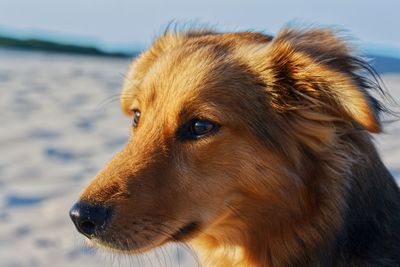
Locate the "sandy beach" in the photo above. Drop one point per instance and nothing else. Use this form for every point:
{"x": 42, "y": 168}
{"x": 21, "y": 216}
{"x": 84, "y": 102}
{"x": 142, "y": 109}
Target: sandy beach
{"x": 60, "y": 123}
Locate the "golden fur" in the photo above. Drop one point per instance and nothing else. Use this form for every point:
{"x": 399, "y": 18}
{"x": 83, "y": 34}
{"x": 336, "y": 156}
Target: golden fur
{"x": 271, "y": 187}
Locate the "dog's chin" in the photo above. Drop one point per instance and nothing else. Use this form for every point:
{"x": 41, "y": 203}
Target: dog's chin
{"x": 127, "y": 246}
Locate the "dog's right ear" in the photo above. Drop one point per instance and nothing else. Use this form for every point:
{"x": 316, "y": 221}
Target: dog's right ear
{"x": 142, "y": 64}
{"x": 314, "y": 70}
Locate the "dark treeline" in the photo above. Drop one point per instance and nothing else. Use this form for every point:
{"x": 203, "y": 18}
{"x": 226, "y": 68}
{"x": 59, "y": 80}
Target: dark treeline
{"x": 382, "y": 64}
{"x": 50, "y": 46}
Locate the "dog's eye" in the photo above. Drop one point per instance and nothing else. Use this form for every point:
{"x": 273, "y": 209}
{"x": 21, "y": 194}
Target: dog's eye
{"x": 196, "y": 129}
{"x": 201, "y": 127}
{"x": 136, "y": 117}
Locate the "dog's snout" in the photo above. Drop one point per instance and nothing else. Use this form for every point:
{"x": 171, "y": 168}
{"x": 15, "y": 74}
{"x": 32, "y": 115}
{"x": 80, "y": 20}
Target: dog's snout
{"x": 90, "y": 219}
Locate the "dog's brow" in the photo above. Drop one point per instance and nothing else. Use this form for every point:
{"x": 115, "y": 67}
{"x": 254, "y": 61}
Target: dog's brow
{"x": 152, "y": 96}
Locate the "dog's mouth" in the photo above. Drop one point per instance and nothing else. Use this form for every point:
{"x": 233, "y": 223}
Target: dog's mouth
{"x": 122, "y": 241}
{"x": 185, "y": 231}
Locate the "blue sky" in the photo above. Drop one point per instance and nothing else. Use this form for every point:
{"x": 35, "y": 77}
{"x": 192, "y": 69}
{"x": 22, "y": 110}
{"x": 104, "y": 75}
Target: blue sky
{"x": 126, "y": 22}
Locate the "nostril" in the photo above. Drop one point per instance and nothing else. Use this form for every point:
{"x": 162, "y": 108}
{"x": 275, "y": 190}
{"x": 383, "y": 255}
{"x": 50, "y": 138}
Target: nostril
{"x": 87, "y": 227}
{"x": 90, "y": 219}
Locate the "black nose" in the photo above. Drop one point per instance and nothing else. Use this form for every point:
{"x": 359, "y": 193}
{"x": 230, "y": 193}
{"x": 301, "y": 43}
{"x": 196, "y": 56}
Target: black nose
{"x": 90, "y": 219}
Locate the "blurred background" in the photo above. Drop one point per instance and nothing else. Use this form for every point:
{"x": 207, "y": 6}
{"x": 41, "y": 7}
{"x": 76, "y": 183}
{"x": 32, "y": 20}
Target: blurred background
{"x": 61, "y": 68}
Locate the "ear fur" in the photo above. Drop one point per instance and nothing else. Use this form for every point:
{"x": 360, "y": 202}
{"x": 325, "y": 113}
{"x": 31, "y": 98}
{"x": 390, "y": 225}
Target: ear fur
{"x": 314, "y": 69}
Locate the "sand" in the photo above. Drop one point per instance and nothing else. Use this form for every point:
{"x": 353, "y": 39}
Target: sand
{"x": 60, "y": 123}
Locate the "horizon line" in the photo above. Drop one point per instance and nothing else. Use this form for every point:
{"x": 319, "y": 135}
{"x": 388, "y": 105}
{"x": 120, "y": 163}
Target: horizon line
{"x": 366, "y": 48}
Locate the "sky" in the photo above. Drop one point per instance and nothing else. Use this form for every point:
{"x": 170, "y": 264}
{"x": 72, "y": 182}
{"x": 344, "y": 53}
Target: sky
{"x": 127, "y": 22}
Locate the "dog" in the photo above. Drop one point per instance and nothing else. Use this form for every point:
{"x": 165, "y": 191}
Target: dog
{"x": 255, "y": 150}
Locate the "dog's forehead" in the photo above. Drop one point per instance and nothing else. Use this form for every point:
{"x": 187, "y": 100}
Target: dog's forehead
{"x": 194, "y": 77}
{"x": 187, "y": 66}
{"x": 185, "y": 73}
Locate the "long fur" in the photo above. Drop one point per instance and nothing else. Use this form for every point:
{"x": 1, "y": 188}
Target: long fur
{"x": 291, "y": 178}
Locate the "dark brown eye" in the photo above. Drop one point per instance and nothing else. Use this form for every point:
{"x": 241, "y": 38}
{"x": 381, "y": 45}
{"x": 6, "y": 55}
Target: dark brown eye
{"x": 201, "y": 127}
{"x": 196, "y": 128}
{"x": 136, "y": 117}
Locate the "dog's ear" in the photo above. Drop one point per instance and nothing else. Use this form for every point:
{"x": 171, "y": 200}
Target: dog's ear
{"x": 315, "y": 69}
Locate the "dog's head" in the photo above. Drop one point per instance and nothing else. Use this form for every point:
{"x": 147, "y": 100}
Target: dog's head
{"x": 221, "y": 123}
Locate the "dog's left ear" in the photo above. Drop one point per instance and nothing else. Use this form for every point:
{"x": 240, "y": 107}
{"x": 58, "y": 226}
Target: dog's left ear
{"x": 315, "y": 69}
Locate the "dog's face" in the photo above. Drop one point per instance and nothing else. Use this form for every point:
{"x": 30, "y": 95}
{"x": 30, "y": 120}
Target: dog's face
{"x": 217, "y": 125}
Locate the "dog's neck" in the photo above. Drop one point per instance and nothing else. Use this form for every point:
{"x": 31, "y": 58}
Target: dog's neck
{"x": 344, "y": 211}
{"x": 260, "y": 243}
{"x": 254, "y": 236}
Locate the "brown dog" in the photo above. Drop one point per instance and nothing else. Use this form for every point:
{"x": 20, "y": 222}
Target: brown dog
{"x": 255, "y": 150}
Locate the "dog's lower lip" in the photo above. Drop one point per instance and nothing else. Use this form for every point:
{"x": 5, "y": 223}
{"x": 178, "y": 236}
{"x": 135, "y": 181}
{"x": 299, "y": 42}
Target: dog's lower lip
{"x": 185, "y": 230}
